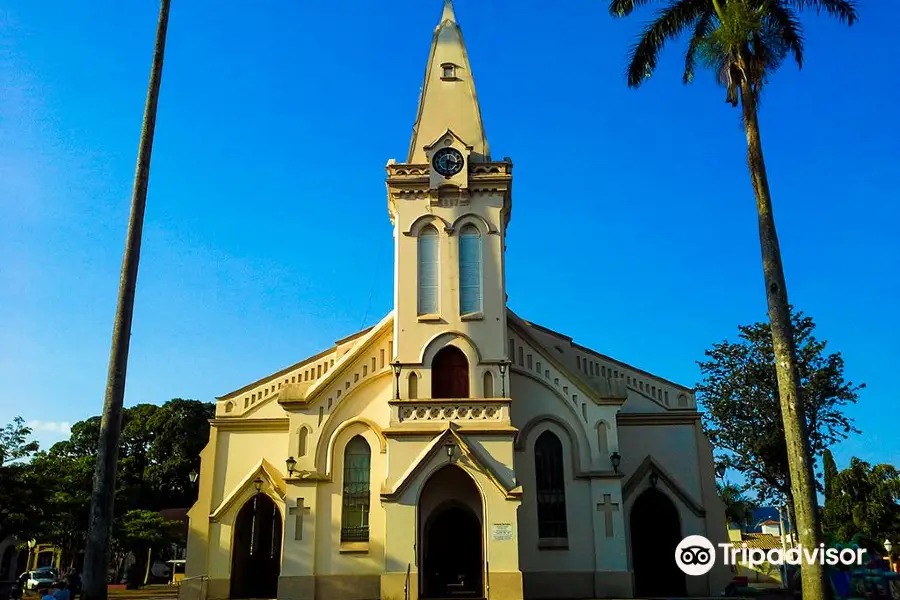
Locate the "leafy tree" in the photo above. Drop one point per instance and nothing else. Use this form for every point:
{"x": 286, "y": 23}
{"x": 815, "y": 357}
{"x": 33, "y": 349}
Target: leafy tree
{"x": 743, "y": 42}
{"x": 740, "y": 393}
{"x": 15, "y": 442}
{"x": 137, "y": 532}
{"x": 737, "y": 506}
{"x": 865, "y": 502}
{"x": 181, "y": 431}
{"x": 159, "y": 447}
{"x": 20, "y": 505}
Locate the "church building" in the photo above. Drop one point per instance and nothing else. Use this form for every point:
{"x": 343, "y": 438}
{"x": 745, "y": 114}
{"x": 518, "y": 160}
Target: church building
{"x": 454, "y": 449}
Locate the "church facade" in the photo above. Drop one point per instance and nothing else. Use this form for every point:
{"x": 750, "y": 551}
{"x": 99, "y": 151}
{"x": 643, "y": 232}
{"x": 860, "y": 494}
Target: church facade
{"x": 454, "y": 449}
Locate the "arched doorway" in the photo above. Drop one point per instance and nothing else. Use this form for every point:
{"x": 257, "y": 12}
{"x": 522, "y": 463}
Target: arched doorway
{"x": 451, "y": 563}
{"x": 450, "y": 374}
{"x": 655, "y": 533}
{"x": 256, "y": 550}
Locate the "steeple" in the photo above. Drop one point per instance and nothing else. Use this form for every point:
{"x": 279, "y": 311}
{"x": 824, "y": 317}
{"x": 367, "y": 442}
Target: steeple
{"x": 448, "y": 99}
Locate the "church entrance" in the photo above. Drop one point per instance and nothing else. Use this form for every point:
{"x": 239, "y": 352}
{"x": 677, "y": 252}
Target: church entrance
{"x": 655, "y": 533}
{"x": 451, "y": 563}
{"x": 256, "y": 550}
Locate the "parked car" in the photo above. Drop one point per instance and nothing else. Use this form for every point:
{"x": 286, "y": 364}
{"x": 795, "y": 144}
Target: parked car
{"x": 40, "y": 578}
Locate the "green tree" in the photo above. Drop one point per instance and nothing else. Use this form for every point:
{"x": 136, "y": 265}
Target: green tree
{"x": 96, "y": 554}
{"x": 138, "y": 532}
{"x": 744, "y": 42}
{"x": 21, "y": 507}
{"x": 63, "y": 476}
{"x": 737, "y": 506}
{"x": 159, "y": 447}
{"x": 739, "y": 393}
{"x": 865, "y": 502}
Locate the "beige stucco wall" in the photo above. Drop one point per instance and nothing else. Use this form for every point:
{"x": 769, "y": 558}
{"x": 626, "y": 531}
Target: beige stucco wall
{"x": 419, "y": 335}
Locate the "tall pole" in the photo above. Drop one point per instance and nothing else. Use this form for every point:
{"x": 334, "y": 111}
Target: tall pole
{"x": 96, "y": 554}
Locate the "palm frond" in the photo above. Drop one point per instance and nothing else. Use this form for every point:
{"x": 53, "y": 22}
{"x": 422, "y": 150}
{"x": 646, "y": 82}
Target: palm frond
{"x": 670, "y": 22}
{"x": 623, "y": 8}
{"x": 843, "y": 10}
{"x": 702, "y": 30}
{"x": 784, "y": 23}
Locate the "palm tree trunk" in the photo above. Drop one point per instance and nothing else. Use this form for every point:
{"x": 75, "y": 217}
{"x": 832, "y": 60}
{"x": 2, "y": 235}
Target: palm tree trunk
{"x": 815, "y": 585}
{"x": 96, "y": 554}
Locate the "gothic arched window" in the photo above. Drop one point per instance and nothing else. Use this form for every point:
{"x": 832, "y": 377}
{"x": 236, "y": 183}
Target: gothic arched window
{"x": 413, "y": 386}
{"x": 302, "y": 438}
{"x": 550, "y": 486}
{"x": 450, "y": 374}
{"x": 355, "y": 505}
{"x": 469, "y": 270}
{"x": 428, "y": 271}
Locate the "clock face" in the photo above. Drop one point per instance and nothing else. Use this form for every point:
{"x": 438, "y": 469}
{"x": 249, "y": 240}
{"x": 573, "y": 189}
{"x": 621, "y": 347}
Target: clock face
{"x": 447, "y": 161}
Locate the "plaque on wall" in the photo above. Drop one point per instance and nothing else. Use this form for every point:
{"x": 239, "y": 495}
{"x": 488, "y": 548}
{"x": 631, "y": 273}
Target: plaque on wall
{"x": 502, "y": 531}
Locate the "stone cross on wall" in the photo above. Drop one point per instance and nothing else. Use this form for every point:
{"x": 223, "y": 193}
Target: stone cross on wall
{"x": 298, "y": 512}
{"x": 608, "y": 507}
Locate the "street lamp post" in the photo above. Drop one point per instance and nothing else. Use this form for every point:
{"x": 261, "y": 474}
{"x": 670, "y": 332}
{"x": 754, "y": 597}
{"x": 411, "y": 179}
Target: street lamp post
{"x": 396, "y": 366}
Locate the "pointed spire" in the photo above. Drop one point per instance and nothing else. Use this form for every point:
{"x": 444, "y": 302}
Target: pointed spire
{"x": 448, "y": 99}
{"x": 448, "y": 14}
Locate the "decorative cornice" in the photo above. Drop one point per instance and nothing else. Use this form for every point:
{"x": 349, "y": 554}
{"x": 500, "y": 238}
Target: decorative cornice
{"x": 435, "y": 427}
{"x": 666, "y": 418}
{"x": 238, "y": 424}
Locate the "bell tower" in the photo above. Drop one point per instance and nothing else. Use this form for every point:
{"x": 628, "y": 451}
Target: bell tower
{"x": 450, "y": 205}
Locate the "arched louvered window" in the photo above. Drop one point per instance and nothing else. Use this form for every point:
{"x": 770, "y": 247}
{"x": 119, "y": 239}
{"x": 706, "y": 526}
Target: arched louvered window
{"x": 469, "y": 270}
{"x": 413, "y": 386}
{"x": 355, "y": 509}
{"x": 550, "y": 486}
{"x": 428, "y": 271}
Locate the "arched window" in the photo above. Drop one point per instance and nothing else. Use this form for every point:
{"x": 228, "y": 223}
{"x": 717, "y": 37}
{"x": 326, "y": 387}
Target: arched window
{"x": 469, "y": 270}
{"x": 413, "y": 386}
{"x": 302, "y": 437}
{"x": 355, "y": 510}
{"x": 428, "y": 271}
{"x": 550, "y": 486}
{"x": 450, "y": 374}
{"x": 488, "y": 384}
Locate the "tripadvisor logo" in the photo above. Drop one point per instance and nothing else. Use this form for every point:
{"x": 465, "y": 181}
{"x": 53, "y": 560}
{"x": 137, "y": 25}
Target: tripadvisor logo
{"x": 696, "y": 555}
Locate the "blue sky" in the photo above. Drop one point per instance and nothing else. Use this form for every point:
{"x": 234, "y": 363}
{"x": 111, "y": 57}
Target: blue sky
{"x": 267, "y": 235}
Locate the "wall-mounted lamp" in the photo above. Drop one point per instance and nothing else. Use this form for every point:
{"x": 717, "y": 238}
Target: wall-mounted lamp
{"x": 257, "y": 483}
{"x": 503, "y": 366}
{"x": 192, "y": 476}
{"x": 616, "y": 459}
{"x": 396, "y": 366}
{"x": 654, "y": 478}
{"x": 291, "y": 465}
{"x": 450, "y": 448}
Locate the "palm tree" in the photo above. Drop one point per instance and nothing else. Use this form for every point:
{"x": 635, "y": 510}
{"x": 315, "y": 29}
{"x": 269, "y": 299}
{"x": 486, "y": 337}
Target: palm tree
{"x": 96, "y": 554}
{"x": 743, "y": 42}
{"x": 737, "y": 506}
